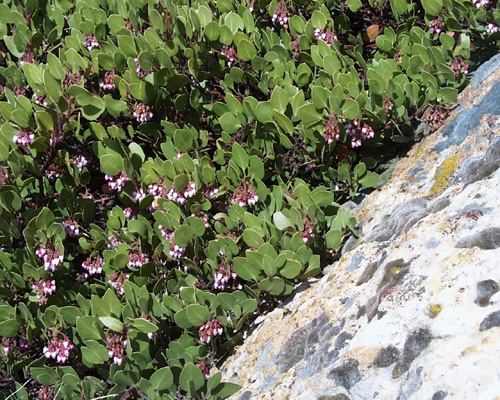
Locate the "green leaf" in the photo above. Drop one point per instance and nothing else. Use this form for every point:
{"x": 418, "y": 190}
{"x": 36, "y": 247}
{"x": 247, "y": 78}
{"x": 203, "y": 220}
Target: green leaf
{"x": 448, "y": 95}
{"x": 282, "y": 221}
{"x": 244, "y": 271}
{"x": 45, "y": 375}
{"x": 291, "y": 269}
{"x": 55, "y": 67}
{"x": 246, "y": 50}
{"x": 283, "y": 121}
{"x": 239, "y": 156}
{"x": 273, "y": 285}
{"x": 44, "y": 120}
{"x": 183, "y": 235}
{"x": 112, "y": 323}
{"x": 111, "y": 164}
{"x": 354, "y": 5}
{"x": 127, "y": 45}
{"x": 252, "y": 238}
{"x": 230, "y": 123}
{"x": 333, "y": 239}
{"x": 9, "y": 328}
{"x": 432, "y": 7}
{"x": 212, "y": 31}
{"x": 350, "y": 109}
{"x": 191, "y": 373}
{"x": 53, "y": 88}
{"x": 370, "y": 179}
{"x": 183, "y": 139}
{"x": 226, "y": 389}
{"x": 197, "y": 314}
{"x": 88, "y": 328}
{"x": 308, "y": 114}
{"x": 181, "y": 319}
{"x": 162, "y": 379}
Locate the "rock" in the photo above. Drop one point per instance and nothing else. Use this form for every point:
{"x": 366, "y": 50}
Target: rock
{"x": 409, "y": 310}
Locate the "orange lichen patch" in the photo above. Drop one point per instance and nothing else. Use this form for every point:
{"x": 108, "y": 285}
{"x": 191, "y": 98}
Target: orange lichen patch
{"x": 443, "y": 175}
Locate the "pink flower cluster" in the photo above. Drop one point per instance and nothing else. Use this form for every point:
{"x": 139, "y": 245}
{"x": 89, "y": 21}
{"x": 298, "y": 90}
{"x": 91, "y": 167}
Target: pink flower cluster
{"x": 230, "y": 53}
{"x": 244, "y": 196}
{"x": 116, "y": 347}
{"x": 388, "y": 105}
{"x": 281, "y": 14}
{"x": 7, "y": 344}
{"x": 90, "y": 42}
{"x": 358, "y": 131}
{"x": 436, "y": 26}
{"x": 480, "y": 3}
{"x": 166, "y": 233}
{"x": 142, "y": 112}
{"x": 210, "y": 329}
{"x": 204, "y": 366}
{"x": 118, "y": 182}
{"x": 459, "y": 67}
{"x": 24, "y": 137}
{"x": 158, "y": 190}
{"x": 93, "y": 266}
{"x": 140, "y": 72}
{"x": 80, "y": 161}
{"x": 151, "y": 335}
{"x": 117, "y": 281}
{"x": 71, "y": 228}
{"x": 44, "y": 287}
{"x": 130, "y": 213}
{"x": 137, "y": 259}
{"x": 175, "y": 250}
{"x": 331, "y": 131}
{"x": 492, "y": 28}
{"x": 40, "y": 99}
{"x": 210, "y": 192}
{"x": 26, "y": 57}
{"x": 181, "y": 197}
{"x": 326, "y": 35}
{"x": 108, "y": 82}
{"x": 114, "y": 242}
{"x": 222, "y": 276}
{"x": 139, "y": 194}
{"x": 58, "y": 348}
{"x": 308, "y": 232}
{"x": 45, "y": 393}
{"x": 52, "y": 258}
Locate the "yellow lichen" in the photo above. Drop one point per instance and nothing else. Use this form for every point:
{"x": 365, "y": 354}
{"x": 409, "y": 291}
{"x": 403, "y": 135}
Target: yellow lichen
{"x": 443, "y": 175}
{"x": 434, "y": 310}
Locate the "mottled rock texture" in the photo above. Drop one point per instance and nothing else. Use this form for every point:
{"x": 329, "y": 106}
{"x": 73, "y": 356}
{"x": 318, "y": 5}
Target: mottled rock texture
{"x": 412, "y": 309}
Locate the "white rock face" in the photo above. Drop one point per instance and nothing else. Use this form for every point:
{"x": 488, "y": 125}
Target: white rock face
{"x": 413, "y": 310}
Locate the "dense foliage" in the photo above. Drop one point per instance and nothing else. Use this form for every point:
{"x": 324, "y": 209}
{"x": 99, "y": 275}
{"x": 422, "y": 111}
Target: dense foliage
{"x": 170, "y": 169}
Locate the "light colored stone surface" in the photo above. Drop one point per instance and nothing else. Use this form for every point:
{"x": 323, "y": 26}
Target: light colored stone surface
{"x": 429, "y": 236}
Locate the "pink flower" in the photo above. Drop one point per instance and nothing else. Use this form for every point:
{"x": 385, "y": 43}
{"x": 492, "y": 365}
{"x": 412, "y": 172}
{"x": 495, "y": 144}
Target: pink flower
{"x": 210, "y": 329}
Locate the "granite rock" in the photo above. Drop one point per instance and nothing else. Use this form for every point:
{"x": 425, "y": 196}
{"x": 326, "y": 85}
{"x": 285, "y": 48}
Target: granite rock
{"x": 412, "y": 309}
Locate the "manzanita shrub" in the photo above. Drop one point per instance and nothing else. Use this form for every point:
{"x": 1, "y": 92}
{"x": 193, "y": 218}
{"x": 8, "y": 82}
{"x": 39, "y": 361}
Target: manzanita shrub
{"x": 170, "y": 170}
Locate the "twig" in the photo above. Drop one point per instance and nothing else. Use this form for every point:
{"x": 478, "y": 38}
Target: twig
{"x": 12, "y": 394}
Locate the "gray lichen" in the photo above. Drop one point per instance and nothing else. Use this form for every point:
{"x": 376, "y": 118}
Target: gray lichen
{"x": 487, "y": 239}
{"x": 486, "y": 289}
{"x": 347, "y": 374}
{"x": 415, "y": 343}
{"x": 439, "y": 395}
{"x": 387, "y": 356}
{"x": 492, "y": 320}
{"x": 301, "y": 345}
{"x": 402, "y": 218}
{"x": 367, "y": 274}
